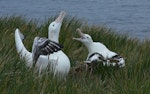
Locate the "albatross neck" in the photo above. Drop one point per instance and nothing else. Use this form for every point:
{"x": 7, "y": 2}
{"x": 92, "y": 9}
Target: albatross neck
{"x": 53, "y": 36}
{"x": 89, "y": 46}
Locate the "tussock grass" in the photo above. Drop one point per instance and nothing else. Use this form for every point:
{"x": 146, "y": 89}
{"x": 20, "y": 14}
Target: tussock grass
{"x": 16, "y": 78}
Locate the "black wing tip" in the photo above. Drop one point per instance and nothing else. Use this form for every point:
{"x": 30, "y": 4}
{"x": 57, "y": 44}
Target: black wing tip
{"x": 50, "y": 49}
{"x": 61, "y": 46}
{"x": 35, "y": 58}
{"x": 46, "y": 46}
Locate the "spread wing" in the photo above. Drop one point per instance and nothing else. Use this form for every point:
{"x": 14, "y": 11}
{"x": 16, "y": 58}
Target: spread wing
{"x": 44, "y": 46}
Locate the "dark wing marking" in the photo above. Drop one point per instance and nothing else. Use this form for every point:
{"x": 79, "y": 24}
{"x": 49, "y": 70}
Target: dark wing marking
{"x": 44, "y": 46}
{"x": 100, "y": 57}
{"x": 115, "y": 58}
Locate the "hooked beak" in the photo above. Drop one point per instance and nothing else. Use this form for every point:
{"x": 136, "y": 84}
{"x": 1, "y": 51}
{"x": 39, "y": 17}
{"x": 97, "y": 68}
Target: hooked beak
{"x": 60, "y": 17}
{"x": 81, "y": 35}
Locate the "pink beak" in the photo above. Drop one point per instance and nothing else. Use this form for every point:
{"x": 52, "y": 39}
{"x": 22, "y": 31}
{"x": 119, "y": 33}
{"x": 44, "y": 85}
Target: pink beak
{"x": 60, "y": 17}
{"x": 80, "y": 33}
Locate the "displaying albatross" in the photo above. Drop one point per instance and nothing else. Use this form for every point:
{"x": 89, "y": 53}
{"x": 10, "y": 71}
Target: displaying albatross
{"x": 99, "y": 52}
{"x": 58, "y": 60}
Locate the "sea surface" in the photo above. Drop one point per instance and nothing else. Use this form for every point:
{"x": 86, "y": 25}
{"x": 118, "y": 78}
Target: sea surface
{"x": 131, "y": 17}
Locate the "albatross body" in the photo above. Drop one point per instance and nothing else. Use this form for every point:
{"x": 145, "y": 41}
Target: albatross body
{"x": 56, "y": 58}
{"x": 99, "y": 52}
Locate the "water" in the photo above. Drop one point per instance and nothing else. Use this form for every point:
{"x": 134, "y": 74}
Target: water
{"x": 131, "y": 17}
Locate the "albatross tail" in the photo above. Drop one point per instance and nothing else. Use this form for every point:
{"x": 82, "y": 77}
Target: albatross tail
{"x": 23, "y": 52}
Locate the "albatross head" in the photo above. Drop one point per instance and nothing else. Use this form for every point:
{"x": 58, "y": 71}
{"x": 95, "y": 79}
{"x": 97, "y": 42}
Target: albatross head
{"x": 84, "y": 38}
{"x": 54, "y": 27}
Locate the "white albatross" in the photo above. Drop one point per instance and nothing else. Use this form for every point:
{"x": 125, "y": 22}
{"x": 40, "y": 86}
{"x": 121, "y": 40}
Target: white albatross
{"x": 58, "y": 61}
{"x": 99, "y": 52}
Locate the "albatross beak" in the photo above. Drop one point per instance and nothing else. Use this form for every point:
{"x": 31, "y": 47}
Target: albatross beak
{"x": 60, "y": 17}
{"x": 80, "y": 33}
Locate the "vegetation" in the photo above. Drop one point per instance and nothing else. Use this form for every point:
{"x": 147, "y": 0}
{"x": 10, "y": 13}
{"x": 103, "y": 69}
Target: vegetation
{"x": 16, "y": 78}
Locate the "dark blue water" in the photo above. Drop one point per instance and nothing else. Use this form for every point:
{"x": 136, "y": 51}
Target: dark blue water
{"x": 131, "y": 17}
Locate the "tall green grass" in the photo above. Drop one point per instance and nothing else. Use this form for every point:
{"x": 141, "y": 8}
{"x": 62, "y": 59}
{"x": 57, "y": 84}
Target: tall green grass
{"x": 16, "y": 78}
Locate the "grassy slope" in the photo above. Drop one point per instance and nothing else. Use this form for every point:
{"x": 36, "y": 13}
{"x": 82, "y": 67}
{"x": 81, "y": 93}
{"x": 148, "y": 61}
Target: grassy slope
{"x": 16, "y": 78}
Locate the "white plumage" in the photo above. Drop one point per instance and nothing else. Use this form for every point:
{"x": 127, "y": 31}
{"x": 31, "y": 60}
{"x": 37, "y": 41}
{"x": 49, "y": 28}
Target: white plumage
{"x": 58, "y": 61}
{"x": 99, "y": 52}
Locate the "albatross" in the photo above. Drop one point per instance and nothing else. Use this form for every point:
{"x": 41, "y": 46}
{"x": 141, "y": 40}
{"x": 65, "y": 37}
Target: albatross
{"x": 56, "y": 58}
{"x": 99, "y": 52}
